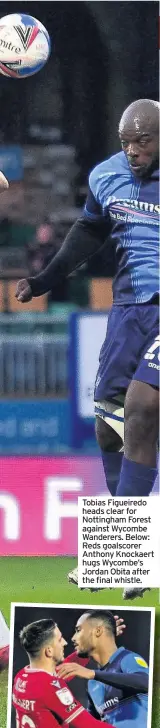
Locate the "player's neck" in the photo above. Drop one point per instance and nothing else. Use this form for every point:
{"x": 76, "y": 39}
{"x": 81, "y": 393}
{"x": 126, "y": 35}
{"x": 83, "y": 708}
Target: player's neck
{"x": 43, "y": 664}
{"x": 104, "y": 652}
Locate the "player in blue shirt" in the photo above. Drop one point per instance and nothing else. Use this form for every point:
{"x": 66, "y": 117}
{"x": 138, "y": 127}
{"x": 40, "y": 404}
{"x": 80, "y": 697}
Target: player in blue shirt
{"x": 118, "y": 688}
{"x": 142, "y": 400}
{"x": 123, "y": 204}
{"x": 125, "y": 190}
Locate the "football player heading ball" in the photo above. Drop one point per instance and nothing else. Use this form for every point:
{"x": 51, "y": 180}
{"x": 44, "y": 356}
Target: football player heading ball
{"x": 123, "y": 203}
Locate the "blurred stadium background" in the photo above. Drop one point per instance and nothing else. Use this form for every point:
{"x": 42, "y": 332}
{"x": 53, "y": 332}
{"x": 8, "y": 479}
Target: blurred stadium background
{"x": 54, "y": 127}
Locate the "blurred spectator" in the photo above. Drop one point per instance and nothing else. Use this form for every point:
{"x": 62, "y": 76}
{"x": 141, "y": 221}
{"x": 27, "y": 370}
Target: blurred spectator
{"x": 42, "y": 247}
{"x": 41, "y": 250}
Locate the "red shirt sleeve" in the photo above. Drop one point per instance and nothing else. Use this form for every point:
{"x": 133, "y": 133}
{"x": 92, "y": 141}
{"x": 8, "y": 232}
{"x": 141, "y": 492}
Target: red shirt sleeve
{"x": 86, "y": 721}
{"x": 76, "y": 658}
{"x": 66, "y": 708}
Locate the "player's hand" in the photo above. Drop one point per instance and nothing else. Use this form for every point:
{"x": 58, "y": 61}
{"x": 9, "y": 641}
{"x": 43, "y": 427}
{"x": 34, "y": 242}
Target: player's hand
{"x": 120, "y": 625}
{"x": 23, "y": 291}
{"x": 68, "y": 670}
{"x": 4, "y": 184}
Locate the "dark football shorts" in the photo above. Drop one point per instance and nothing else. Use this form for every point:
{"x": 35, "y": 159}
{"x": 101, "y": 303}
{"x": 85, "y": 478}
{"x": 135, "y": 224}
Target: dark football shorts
{"x": 130, "y": 350}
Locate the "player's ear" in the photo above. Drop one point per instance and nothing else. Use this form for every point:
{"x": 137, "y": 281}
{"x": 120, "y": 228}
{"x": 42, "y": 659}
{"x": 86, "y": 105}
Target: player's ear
{"x": 99, "y": 630}
{"x": 48, "y": 651}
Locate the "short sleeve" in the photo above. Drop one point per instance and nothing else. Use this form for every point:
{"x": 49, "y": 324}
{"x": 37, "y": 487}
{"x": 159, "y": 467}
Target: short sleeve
{"x": 92, "y": 209}
{"x": 134, "y": 663}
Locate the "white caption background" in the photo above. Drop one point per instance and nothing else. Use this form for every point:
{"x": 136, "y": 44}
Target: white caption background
{"x": 118, "y": 542}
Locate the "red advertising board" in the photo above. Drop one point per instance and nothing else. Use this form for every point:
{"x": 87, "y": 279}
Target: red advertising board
{"x": 39, "y": 502}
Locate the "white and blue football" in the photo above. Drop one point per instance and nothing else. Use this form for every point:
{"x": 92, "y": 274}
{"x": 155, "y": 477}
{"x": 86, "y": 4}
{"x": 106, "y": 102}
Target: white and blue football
{"x": 24, "y": 45}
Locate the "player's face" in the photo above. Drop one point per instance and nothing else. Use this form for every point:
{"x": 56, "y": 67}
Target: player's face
{"x": 57, "y": 646}
{"x": 141, "y": 149}
{"x": 83, "y": 638}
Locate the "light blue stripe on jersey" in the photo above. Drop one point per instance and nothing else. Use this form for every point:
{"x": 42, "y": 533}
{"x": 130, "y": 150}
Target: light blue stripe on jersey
{"x": 131, "y": 205}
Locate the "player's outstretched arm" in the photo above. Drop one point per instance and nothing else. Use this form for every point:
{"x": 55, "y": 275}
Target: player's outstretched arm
{"x": 86, "y": 720}
{"x": 67, "y": 709}
{"x": 136, "y": 681}
{"x": 134, "y": 674}
{"x": 82, "y": 241}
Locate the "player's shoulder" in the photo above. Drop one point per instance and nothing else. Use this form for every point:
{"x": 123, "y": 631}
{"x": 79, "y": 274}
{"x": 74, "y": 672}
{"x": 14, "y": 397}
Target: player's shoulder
{"x": 133, "y": 661}
{"x": 42, "y": 675}
{"x": 46, "y": 678}
{"x": 108, "y": 169}
{"x": 20, "y": 675}
{"x": 116, "y": 164}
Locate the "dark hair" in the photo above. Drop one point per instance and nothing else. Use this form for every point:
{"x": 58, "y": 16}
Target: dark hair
{"x": 36, "y": 634}
{"x": 106, "y": 617}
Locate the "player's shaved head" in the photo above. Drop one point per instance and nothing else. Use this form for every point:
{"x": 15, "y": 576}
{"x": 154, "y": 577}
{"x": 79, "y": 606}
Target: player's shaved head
{"x": 141, "y": 115}
{"x": 139, "y": 135}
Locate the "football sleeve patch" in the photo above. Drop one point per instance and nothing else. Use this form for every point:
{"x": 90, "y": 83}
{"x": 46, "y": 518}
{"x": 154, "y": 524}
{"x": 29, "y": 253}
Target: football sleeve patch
{"x": 141, "y": 662}
{"x": 134, "y": 663}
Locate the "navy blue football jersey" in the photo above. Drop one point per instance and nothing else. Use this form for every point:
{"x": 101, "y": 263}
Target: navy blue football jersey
{"x": 122, "y": 707}
{"x": 130, "y": 207}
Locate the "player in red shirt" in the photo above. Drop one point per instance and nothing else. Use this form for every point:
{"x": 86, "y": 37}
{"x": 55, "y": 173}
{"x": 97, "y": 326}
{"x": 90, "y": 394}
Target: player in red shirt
{"x": 41, "y": 699}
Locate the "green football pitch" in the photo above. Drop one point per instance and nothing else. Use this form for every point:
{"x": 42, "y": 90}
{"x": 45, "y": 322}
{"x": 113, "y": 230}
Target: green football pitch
{"x": 43, "y": 580}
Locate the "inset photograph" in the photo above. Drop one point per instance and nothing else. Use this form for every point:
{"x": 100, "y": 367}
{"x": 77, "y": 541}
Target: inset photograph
{"x": 80, "y": 666}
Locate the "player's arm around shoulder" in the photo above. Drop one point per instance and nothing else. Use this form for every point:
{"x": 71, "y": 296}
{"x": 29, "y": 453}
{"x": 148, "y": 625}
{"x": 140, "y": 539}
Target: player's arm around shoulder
{"x": 59, "y": 699}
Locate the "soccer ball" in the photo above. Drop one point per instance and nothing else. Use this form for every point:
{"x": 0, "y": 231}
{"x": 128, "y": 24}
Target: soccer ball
{"x": 24, "y": 45}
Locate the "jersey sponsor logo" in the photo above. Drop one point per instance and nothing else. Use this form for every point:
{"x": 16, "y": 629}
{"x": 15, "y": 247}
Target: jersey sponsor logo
{"x": 141, "y": 662}
{"x": 111, "y": 703}
{"x": 71, "y": 707}
{"x": 65, "y": 697}
{"x": 108, "y": 705}
{"x": 136, "y": 205}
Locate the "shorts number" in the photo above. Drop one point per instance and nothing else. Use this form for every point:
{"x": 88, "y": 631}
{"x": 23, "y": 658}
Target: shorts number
{"x": 150, "y": 354}
{"x": 25, "y": 722}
